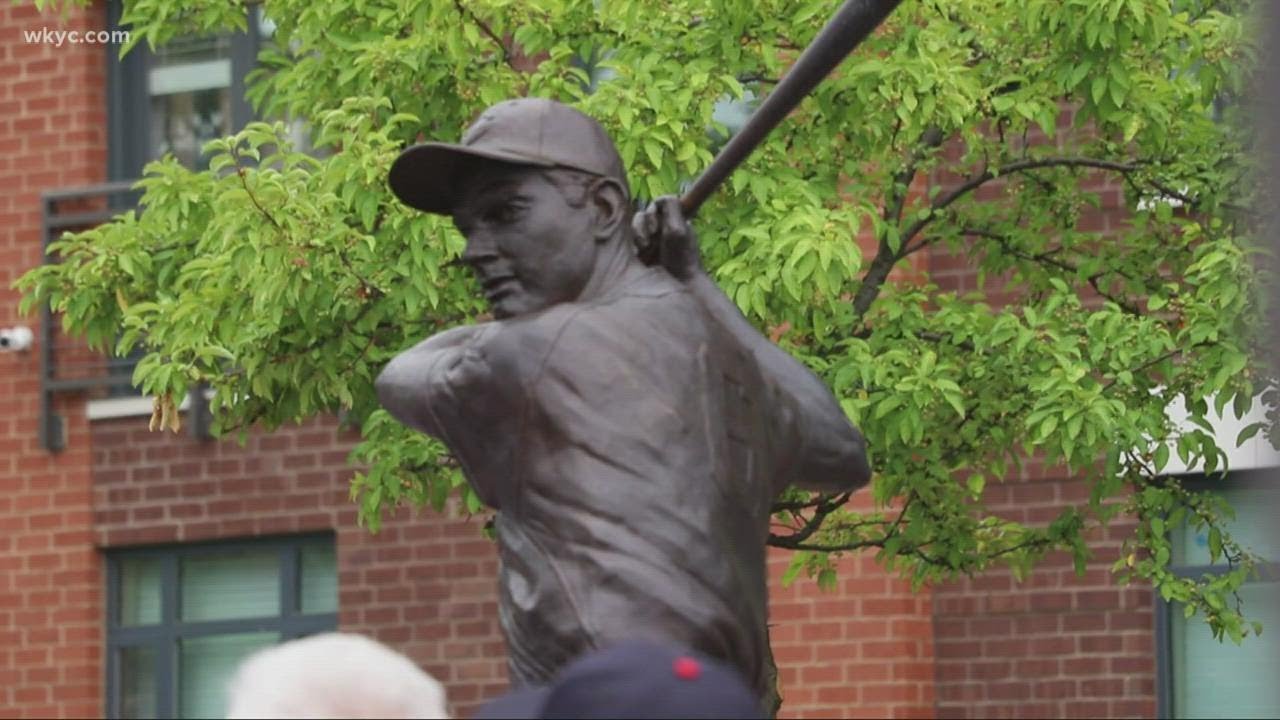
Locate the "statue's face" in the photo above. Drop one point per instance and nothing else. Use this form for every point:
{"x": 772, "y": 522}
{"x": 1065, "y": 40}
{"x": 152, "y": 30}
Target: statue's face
{"x": 530, "y": 249}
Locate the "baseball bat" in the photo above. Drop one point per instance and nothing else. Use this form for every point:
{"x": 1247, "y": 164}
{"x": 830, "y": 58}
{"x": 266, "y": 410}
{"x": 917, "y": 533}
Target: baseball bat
{"x": 852, "y": 23}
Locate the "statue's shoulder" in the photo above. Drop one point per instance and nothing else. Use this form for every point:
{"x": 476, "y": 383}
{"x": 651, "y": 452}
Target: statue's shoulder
{"x": 620, "y": 323}
{"x": 517, "y": 346}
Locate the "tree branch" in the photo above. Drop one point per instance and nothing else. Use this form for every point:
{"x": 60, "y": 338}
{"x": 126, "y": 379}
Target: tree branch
{"x": 938, "y": 339}
{"x": 877, "y": 273}
{"x": 244, "y": 182}
{"x": 882, "y": 264}
{"x": 1047, "y": 258}
{"x": 484, "y": 27}
{"x": 942, "y": 202}
{"x": 843, "y": 547}
{"x": 895, "y": 198}
{"x": 797, "y": 505}
{"x": 1032, "y": 542}
{"x": 1167, "y": 356}
{"x": 825, "y": 506}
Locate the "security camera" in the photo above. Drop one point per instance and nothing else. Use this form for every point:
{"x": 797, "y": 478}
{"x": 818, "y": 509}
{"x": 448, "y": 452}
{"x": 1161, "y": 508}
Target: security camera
{"x": 15, "y": 338}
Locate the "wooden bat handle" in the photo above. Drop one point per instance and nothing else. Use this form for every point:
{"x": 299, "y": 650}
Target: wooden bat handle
{"x": 852, "y": 23}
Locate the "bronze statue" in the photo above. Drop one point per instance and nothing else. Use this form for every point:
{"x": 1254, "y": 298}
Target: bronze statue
{"x": 628, "y": 424}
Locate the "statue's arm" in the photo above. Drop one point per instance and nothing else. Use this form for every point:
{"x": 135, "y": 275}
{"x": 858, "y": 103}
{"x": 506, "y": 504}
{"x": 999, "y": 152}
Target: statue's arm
{"x": 830, "y": 453}
{"x": 421, "y": 386}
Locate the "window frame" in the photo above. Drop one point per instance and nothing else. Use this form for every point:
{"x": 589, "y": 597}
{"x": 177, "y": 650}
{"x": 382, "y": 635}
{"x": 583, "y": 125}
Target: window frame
{"x": 129, "y": 102}
{"x": 1268, "y": 572}
{"x": 165, "y": 637}
{"x": 128, "y": 108}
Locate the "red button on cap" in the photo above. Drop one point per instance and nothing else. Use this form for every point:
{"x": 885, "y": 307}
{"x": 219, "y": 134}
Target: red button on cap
{"x": 686, "y": 668}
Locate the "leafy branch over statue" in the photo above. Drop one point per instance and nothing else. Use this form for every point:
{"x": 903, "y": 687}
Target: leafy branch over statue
{"x": 287, "y": 279}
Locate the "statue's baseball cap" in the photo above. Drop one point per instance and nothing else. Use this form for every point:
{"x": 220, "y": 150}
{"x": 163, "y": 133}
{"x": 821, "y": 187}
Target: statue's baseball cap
{"x": 633, "y": 679}
{"x": 525, "y": 131}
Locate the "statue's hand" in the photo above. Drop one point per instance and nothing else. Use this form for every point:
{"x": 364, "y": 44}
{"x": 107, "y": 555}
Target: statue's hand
{"x": 664, "y": 237}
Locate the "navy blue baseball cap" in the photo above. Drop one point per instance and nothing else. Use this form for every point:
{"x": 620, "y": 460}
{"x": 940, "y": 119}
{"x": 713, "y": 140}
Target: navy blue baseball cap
{"x": 634, "y": 679}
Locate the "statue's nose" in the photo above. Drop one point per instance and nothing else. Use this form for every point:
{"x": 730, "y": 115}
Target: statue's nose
{"x": 480, "y": 249}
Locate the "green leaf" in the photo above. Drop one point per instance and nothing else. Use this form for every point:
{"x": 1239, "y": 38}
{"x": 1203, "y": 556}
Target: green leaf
{"x": 1048, "y": 426}
{"x": 654, "y": 150}
{"x": 887, "y": 405}
{"x": 1161, "y": 456}
{"x": 827, "y": 579}
{"x": 976, "y": 484}
{"x": 1248, "y": 432}
{"x": 1098, "y": 89}
{"x": 1215, "y": 544}
{"x": 794, "y": 568}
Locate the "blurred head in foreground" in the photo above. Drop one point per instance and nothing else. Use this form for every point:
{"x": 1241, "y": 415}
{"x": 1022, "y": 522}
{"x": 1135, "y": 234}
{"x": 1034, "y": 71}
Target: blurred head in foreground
{"x": 634, "y": 679}
{"x": 334, "y": 675}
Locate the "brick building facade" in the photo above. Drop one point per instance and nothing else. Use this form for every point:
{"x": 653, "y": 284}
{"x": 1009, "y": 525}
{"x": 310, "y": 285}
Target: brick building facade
{"x": 1055, "y": 645}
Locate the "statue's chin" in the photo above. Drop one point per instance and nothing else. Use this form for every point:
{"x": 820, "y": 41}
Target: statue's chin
{"x": 505, "y": 306}
{"x": 513, "y": 302}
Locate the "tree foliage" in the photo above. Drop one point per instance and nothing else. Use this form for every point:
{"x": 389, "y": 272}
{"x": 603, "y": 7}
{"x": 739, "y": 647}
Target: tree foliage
{"x": 285, "y": 279}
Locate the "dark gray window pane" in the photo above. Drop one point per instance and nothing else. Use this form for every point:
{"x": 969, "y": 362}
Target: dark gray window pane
{"x": 189, "y": 83}
{"x": 182, "y": 122}
{"x": 319, "y": 580}
{"x": 137, "y": 682}
{"x": 189, "y": 49}
{"x": 226, "y": 586}
{"x": 139, "y": 591}
{"x": 205, "y": 665}
{"x": 1218, "y": 679}
{"x": 1252, "y": 527}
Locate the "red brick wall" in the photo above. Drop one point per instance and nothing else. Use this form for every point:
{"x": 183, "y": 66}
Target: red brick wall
{"x": 425, "y": 584}
{"x": 863, "y": 649}
{"x": 1055, "y": 645}
{"x": 52, "y": 134}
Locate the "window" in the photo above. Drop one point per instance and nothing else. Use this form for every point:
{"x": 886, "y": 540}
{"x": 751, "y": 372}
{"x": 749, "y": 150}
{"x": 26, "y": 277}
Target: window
{"x": 180, "y": 619}
{"x": 173, "y": 100}
{"x": 178, "y": 97}
{"x": 189, "y": 88}
{"x": 1201, "y": 677}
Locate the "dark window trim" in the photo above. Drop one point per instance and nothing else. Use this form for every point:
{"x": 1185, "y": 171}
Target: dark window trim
{"x": 129, "y": 150}
{"x": 1248, "y": 478}
{"x": 129, "y": 103}
{"x": 1163, "y": 615}
{"x": 164, "y": 637}
{"x": 1164, "y": 659}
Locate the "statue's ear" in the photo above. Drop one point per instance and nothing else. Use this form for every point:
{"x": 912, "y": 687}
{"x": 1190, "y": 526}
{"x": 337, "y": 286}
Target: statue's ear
{"x": 609, "y": 202}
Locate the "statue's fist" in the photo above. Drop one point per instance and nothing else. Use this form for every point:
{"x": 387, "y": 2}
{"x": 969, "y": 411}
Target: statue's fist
{"x": 663, "y": 237}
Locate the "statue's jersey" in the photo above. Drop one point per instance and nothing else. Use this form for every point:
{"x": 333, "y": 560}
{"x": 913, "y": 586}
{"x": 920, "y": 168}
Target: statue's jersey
{"x": 632, "y": 449}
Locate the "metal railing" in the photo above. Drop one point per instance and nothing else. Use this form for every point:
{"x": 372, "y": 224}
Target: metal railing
{"x": 63, "y": 210}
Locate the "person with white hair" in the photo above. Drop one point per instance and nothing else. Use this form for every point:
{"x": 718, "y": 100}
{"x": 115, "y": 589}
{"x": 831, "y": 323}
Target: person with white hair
{"x": 333, "y": 675}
